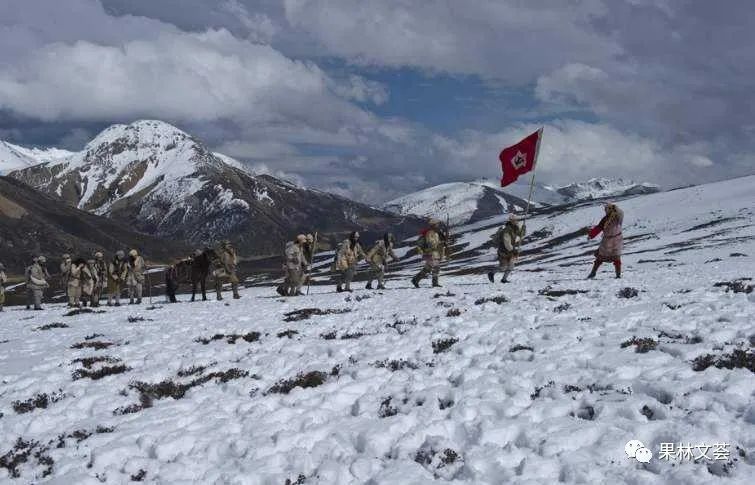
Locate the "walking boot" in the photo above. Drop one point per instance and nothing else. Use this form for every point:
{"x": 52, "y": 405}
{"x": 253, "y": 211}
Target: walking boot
{"x": 368, "y": 286}
{"x": 339, "y": 289}
{"x": 490, "y": 276}
{"x": 281, "y": 291}
{"x": 436, "y": 284}
{"x": 504, "y": 279}
{"x": 380, "y": 286}
{"x": 594, "y": 270}
{"x": 415, "y": 282}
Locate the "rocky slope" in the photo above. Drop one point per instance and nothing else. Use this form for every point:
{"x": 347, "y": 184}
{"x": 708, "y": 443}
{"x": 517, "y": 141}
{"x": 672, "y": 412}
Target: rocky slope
{"x": 162, "y": 181}
{"x": 32, "y": 223}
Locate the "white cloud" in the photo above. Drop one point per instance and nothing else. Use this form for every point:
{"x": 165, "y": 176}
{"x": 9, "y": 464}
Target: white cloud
{"x": 502, "y": 39}
{"x": 179, "y": 76}
{"x": 574, "y": 151}
{"x": 363, "y": 90}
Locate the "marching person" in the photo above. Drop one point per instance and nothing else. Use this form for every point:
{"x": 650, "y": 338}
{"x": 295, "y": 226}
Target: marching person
{"x": 295, "y": 265}
{"x": 347, "y": 256}
{"x": 135, "y": 278}
{"x": 225, "y": 268}
{"x": 36, "y": 282}
{"x": 431, "y": 245}
{"x": 117, "y": 274}
{"x": 65, "y": 274}
{"x": 3, "y": 280}
{"x": 74, "y": 282}
{"x": 612, "y": 243}
{"x": 507, "y": 240}
{"x": 377, "y": 257}
{"x": 98, "y": 268}
{"x": 88, "y": 281}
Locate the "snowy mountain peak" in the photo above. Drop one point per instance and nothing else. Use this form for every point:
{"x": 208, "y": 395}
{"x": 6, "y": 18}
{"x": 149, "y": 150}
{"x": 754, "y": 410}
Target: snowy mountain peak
{"x": 597, "y": 188}
{"x": 465, "y": 202}
{"x": 143, "y": 133}
{"x": 164, "y": 182}
{"x": 141, "y": 159}
{"x": 14, "y": 157}
{"x": 459, "y": 202}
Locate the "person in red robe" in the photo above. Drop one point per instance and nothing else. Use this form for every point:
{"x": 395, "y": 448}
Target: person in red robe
{"x": 612, "y": 243}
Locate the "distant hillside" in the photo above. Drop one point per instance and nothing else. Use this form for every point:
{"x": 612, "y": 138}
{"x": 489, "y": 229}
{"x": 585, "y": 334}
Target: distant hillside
{"x": 33, "y": 223}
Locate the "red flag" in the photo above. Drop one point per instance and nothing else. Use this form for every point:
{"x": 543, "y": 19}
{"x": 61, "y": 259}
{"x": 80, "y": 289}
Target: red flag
{"x": 519, "y": 159}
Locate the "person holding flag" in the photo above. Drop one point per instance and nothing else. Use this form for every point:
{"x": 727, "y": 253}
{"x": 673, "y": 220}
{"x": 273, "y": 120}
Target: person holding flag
{"x": 507, "y": 240}
{"x": 516, "y": 160}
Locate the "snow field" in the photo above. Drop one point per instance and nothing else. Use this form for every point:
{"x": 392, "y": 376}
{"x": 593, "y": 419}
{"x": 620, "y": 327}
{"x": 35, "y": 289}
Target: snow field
{"x": 542, "y": 380}
{"x": 507, "y": 415}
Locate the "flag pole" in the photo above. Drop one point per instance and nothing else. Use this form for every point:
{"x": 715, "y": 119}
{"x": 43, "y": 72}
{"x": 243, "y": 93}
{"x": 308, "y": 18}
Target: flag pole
{"x": 534, "y": 168}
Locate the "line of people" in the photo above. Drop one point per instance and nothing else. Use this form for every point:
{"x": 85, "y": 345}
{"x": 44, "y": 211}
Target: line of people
{"x": 86, "y": 281}
{"x": 433, "y": 247}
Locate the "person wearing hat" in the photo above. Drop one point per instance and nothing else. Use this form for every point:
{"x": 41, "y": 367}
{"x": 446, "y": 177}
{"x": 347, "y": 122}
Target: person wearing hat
{"x": 294, "y": 267}
{"x": 135, "y": 278}
{"x": 98, "y": 268}
{"x": 3, "y": 280}
{"x": 36, "y": 282}
{"x": 431, "y": 245}
{"x": 65, "y": 274}
{"x": 117, "y": 273}
{"x": 377, "y": 257}
{"x": 309, "y": 253}
{"x": 225, "y": 268}
{"x": 87, "y": 281}
{"x": 348, "y": 254}
{"x": 507, "y": 240}
{"x": 74, "y": 282}
{"x": 612, "y": 243}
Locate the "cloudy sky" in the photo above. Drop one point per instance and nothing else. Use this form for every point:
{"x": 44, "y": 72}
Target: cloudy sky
{"x": 373, "y": 99}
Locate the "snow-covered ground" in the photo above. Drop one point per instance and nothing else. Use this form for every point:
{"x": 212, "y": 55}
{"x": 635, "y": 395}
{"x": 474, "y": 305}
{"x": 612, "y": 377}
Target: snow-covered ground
{"x": 536, "y": 381}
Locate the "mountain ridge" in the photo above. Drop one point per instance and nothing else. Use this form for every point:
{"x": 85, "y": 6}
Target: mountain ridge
{"x": 468, "y": 202}
{"x": 164, "y": 182}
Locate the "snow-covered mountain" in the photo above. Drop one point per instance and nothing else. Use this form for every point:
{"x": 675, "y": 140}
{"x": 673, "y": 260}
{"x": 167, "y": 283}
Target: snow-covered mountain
{"x": 460, "y": 202}
{"x": 164, "y": 182}
{"x": 600, "y": 188}
{"x": 14, "y": 157}
{"x": 541, "y": 380}
{"x": 466, "y": 202}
